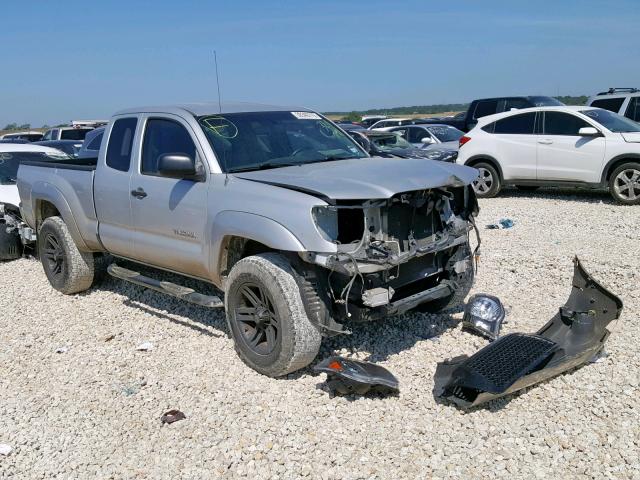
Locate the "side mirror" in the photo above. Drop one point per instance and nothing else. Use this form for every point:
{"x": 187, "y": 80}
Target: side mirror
{"x": 427, "y": 140}
{"x": 588, "y": 132}
{"x": 176, "y": 165}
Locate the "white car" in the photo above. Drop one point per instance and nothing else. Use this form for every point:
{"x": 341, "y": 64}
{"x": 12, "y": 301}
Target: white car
{"x": 389, "y": 123}
{"x": 558, "y": 146}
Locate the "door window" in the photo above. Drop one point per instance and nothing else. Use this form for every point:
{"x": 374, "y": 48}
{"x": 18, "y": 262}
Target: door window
{"x": 120, "y": 143}
{"x": 522, "y": 124}
{"x": 417, "y": 134}
{"x": 611, "y": 104}
{"x": 559, "y": 123}
{"x": 484, "y": 108}
{"x": 633, "y": 110}
{"x": 164, "y": 136}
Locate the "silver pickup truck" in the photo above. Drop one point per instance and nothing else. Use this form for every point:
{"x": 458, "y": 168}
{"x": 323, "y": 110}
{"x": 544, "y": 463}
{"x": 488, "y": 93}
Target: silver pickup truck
{"x": 279, "y": 208}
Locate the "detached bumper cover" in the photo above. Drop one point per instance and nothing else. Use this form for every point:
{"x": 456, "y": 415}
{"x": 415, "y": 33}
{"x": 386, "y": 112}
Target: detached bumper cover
{"x": 571, "y": 338}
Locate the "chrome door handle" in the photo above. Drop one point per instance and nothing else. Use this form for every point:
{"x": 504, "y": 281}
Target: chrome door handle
{"x": 139, "y": 193}
{"x": 545, "y": 142}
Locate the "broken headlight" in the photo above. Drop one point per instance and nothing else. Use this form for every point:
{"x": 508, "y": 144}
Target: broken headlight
{"x": 326, "y": 219}
{"x": 484, "y": 314}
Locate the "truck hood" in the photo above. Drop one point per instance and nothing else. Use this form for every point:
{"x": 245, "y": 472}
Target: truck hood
{"x": 9, "y": 194}
{"x": 631, "y": 137}
{"x": 365, "y": 178}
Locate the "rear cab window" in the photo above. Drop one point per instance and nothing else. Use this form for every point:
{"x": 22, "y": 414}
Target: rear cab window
{"x": 94, "y": 144}
{"x": 74, "y": 133}
{"x": 484, "y": 108}
{"x": 120, "y": 143}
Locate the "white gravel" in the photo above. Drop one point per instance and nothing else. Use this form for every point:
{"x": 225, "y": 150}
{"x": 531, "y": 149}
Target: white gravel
{"x": 94, "y": 411}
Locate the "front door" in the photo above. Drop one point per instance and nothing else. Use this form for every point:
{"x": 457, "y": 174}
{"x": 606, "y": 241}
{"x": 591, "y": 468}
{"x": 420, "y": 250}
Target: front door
{"x": 566, "y": 156}
{"x": 169, "y": 214}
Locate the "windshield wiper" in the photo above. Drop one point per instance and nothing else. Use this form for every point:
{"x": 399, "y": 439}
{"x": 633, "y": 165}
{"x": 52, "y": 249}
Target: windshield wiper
{"x": 263, "y": 166}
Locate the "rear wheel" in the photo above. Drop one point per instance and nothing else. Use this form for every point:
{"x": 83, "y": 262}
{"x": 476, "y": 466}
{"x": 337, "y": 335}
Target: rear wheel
{"x": 68, "y": 269}
{"x": 624, "y": 183}
{"x": 267, "y": 318}
{"x": 487, "y": 184}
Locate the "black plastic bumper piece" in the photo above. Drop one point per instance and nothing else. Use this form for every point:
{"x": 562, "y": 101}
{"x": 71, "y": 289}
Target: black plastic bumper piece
{"x": 353, "y": 377}
{"x": 571, "y": 338}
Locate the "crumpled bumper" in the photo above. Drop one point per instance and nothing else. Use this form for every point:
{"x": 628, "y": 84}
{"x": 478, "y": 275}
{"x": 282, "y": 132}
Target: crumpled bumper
{"x": 571, "y": 338}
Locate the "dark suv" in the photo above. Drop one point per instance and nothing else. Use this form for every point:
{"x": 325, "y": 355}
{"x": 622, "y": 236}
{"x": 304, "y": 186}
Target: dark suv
{"x": 489, "y": 106}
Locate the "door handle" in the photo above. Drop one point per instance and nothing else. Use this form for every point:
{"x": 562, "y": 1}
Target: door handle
{"x": 545, "y": 142}
{"x": 139, "y": 193}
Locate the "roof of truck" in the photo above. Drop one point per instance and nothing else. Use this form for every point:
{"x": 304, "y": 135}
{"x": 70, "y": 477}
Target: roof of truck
{"x": 212, "y": 108}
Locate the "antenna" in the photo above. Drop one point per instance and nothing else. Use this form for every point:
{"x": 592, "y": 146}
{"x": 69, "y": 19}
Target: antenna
{"x": 215, "y": 59}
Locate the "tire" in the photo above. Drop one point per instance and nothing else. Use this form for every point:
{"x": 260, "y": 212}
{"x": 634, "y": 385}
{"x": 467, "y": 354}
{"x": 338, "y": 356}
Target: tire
{"x": 464, "y": 283}
{"x": 488, "y": 183}
{"x": 624, "y": 184}
{"x": 68, "y": 269}
{"x": 527, "y": 188}
{"x": 266, "y": 316}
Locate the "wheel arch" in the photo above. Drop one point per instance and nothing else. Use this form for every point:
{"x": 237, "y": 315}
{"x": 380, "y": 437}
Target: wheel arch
{"x": 615, "y": 162}
{"x": 472, "y": 161}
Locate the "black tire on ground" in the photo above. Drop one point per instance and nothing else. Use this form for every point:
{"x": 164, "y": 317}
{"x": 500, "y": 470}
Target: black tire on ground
{"x": 624, "y": 184}
{"x": 68, "y": 269}
{"x": 464, "y": 283}
{"x": 267, "y": 318}
{"x": 527, "y": 188}
{"x": 488, "y": 183}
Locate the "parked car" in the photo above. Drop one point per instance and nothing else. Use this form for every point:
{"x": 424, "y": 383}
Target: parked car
{"x": 624, "y": 101}
{"x": 91, "y": 145}
{"x": 465, "y": 121}
{"x": 559, "y": 146}
{"x": 66, "y": 133}
{"x": 368, "y": 120}
{"x": 27, "y": 136}
{"x": 390, "y": 144}
{"x": 388, "y": 123}
{"x": 12, "y": 231}
{"x": 430, "y": 136}
{"x": 70, "y": 147}
{"x": 301, "y": 229}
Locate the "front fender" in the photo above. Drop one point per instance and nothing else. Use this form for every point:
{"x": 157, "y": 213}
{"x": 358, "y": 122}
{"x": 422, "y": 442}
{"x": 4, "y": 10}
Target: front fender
{"x": 250, "y": 226}
{"x": 43, "y": 191}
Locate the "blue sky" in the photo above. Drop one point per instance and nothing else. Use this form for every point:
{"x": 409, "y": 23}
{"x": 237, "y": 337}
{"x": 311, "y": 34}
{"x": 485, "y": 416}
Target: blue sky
{"x": 77, "y": 59}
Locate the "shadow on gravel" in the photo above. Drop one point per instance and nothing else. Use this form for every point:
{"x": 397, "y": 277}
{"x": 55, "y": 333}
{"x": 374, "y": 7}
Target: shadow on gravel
{"x": 564, "y": 194}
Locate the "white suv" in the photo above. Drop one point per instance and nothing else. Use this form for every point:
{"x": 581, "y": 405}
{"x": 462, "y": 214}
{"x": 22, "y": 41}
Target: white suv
{"x": 559, "y": 146}
{"x": 625, "y": 101}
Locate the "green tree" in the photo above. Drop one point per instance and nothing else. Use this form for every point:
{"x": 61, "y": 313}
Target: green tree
{"x": 45, "y": 126}
{"x": 25, "y": 126}
{"x": 11, "y": 126}
{"x": 352, "y": 117}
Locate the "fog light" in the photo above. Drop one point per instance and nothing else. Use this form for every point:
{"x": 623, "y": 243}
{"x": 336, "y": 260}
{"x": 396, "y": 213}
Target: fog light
{"x": 484, "y": 314}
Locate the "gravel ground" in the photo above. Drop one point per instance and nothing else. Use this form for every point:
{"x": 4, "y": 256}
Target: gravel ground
{"x": 93, "y": 411}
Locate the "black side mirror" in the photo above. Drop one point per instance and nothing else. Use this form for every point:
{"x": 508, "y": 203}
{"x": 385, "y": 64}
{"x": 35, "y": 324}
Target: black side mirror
{"x": 177, "y": 165}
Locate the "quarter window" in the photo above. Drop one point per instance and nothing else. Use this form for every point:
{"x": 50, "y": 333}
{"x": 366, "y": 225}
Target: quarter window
{"x": 485, "y": 107}
{"x": 611, "y": 104}
{"x": 120, "y": 143}
{"x": 164, "y": 136}
{"x": 559, "y": 123}
{"x": 633, "y": 110}
{"x": 518, "y": 124}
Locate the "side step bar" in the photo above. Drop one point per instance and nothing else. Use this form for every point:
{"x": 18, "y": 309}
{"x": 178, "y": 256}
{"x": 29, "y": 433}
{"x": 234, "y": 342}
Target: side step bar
{"x": 178, "y": 291}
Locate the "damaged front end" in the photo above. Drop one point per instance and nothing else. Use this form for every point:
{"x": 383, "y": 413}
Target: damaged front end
{"x": 13, "y": 233}
{"x": 395, "y": 254}
{"x": 571, "y": 338}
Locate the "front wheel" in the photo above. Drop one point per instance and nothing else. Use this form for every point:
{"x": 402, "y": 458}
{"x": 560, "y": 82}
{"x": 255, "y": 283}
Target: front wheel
{"x": 267, "y": 318}
{"x": 487, "y": 184}
{"x": 624, "y": 184}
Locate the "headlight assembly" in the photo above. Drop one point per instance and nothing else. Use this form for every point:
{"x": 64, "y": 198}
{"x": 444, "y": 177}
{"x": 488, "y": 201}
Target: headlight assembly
{"x": 484, "y": 314}
{"x": 326, "y": 219}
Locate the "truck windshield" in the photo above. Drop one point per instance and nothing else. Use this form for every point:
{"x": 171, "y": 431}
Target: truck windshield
{"x": 260, "y": 140}
{"x": 10, "y": 161}
{"x": 541, "y": 101}
{"x": 612, "y": 121}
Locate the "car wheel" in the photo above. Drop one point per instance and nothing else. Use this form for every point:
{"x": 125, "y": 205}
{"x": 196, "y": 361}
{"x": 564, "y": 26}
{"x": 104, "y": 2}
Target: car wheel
{"x": 487, "y": 184}
{"x": 68, "y": 269}
{"x": 624, "y": 184}
{"x": 267, "y": 318}
{"x": 527, "y": 188}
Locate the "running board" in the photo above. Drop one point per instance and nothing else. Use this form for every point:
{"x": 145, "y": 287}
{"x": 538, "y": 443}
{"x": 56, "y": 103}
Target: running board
{"x": 183, "y": 293}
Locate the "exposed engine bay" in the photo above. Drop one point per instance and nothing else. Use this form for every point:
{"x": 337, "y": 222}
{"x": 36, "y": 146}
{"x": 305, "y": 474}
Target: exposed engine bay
{"x": 397, "y": 253}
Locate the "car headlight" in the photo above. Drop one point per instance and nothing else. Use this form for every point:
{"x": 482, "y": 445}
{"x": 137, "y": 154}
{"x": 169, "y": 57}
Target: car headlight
{"x": 484, "y": 314}
{"x": 326, "y": 219}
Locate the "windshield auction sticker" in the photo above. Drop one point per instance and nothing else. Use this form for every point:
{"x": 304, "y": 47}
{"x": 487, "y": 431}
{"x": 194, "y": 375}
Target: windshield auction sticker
{"x": 306, "y": 115}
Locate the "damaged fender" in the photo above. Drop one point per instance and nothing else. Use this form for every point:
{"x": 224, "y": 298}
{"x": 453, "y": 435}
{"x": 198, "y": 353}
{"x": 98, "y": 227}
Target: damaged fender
{"x": 571, "y": 338}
